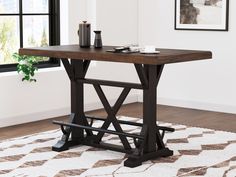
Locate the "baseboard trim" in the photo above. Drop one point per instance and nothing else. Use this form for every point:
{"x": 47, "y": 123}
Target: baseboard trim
{"x": 198, "y": 105}
{"x": 194, "y": 105}
{"x": 47, "y": 114}
{"x": 33, "y": 117}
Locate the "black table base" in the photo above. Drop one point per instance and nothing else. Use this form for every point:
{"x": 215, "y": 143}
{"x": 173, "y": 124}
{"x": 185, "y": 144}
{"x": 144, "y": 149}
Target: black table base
{"x": 80, "y": 131}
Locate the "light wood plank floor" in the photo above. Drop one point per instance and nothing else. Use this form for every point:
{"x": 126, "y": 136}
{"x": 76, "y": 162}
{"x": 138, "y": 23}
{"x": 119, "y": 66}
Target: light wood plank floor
{"x": 191, "y": 117}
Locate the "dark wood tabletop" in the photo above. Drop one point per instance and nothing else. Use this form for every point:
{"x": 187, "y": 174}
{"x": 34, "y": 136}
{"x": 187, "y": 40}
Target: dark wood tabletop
{"x": 75, "y": 52}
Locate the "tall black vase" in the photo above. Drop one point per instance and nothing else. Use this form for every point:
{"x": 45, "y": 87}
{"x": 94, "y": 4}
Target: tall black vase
{"x": 98, "y": 39}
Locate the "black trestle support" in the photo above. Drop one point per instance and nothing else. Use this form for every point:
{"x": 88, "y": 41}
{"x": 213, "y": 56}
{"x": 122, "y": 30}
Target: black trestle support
{"x": 168, "y": 129}
{"x": 78, "y": 131}
{"x": 98, "y": 129}
{"x": 110, "y": 83}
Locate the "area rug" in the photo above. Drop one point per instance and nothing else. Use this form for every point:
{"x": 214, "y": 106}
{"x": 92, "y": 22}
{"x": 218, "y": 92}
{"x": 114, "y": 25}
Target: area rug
{"x": 197, "y": 152}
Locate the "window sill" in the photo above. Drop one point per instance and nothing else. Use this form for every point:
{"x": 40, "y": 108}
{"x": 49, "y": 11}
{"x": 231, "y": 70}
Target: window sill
{"x": 41, "y": 70}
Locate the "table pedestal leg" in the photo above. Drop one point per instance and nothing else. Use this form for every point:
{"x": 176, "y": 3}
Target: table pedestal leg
{"x": 73, "y": 136}
{"x": 153, "y": 145}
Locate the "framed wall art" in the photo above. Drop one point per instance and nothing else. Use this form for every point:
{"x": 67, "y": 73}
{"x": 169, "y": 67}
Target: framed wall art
{"x": 209, "y": 15}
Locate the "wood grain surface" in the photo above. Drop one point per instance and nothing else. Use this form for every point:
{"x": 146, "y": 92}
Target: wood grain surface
{"x": 75, "y": 52}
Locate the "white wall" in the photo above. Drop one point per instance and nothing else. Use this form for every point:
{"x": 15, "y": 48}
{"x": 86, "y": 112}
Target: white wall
{"x": 50, "y": 97}
{"x": 119, "y": 26}
{"x": 208, "y": 84}
{"x": 118, "y": 21}
{"x": 24, "y": 102}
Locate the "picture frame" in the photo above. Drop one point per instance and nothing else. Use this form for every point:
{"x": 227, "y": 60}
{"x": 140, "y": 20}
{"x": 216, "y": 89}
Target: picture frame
{"x": 207, "y": 15}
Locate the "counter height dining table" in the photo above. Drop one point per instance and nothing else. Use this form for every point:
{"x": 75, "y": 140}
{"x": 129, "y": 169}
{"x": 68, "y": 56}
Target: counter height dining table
{"x": 79, "y": 130}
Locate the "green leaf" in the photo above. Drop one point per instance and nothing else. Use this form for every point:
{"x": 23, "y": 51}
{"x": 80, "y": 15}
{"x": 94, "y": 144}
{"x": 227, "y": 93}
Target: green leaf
{"x": 26, "y": 65}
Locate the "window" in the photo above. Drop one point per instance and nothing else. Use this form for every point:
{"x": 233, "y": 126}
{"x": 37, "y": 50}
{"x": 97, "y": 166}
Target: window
{"x": 28, "y": 23}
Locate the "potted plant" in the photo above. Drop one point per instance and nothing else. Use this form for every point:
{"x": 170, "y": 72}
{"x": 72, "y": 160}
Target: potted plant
{"x": 26, "y": 66}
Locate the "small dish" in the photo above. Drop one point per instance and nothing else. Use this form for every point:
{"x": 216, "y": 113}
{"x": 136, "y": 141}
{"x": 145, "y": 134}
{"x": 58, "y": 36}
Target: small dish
{"x": 146, "y": 52}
